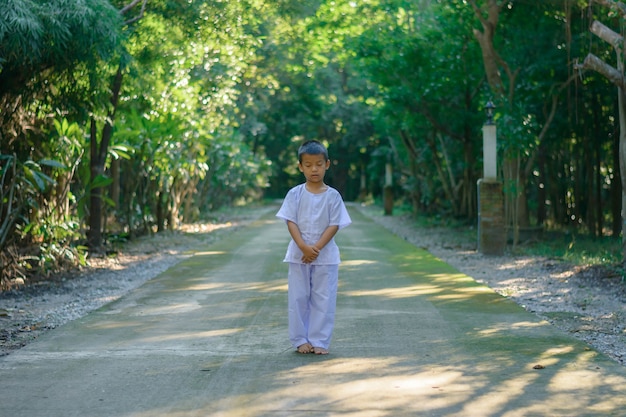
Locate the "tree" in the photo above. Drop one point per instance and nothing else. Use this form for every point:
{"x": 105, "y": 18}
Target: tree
{"x": 616, "y": 76}
{"x": 42, "y": 44}
{"x": 524, "y": 130}
{"x": 315, "y": 91}
{"x": 99, "y": 149}
{"x": 422, "y": 61}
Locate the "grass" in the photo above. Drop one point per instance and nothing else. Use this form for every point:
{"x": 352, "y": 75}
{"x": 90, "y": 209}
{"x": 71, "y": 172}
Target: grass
{"x": 579, "y": 249}
{"x": 575, "y": 248}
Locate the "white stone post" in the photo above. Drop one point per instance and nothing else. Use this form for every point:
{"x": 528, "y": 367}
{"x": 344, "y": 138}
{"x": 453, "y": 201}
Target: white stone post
{"x": 490, "y": 153}
{"x": 491, "y": 230}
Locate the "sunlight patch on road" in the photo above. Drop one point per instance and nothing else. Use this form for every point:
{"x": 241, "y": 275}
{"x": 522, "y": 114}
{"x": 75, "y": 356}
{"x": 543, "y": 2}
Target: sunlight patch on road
{"x": 370, "y": 385}
{"x": 402, "y": 292}
{"x": 358, "y": 262}
{"x": 170, "y": 309}
{"x": 192, "y": 335}
{"x": 508, "y": 326}
{"x": 206, "y": 227}
{"x": 463, "y": 293}
{"x": 214, "y": 252}
{"x": 205, "y": 287}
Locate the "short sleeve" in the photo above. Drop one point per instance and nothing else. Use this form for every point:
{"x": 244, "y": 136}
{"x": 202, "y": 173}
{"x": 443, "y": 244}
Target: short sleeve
{"x": 339, "y": 214}
{"x": 289, "y": 209}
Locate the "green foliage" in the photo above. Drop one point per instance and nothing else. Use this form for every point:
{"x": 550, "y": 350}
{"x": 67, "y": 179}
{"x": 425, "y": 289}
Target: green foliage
{"x": 241, "y": 180}
{"x": 424, "y": 99}
{"x": 38, "y": 36}
{"x": 182, "y": 123}
{"x": 575, "y": 248}
{"x": 57, "y": 250}
{"x": 25, "y": 220}
{"x": 216, "y": 97}
{"x": 22, "y": 183}
{"x": 56, "y": 31}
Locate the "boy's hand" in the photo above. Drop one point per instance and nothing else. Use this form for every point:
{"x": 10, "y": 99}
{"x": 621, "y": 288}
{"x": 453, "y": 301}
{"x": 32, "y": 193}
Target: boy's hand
{"x": 309, "y": 254}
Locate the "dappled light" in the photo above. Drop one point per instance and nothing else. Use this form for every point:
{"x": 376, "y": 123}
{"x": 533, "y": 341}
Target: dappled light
{"x": 413, "y": 291}
{"x": 412, "y": 337}
{"x": 504, "y": 327}
{"x": 205, "y": 286}
{"x": 462, "y": 294}
{"x": 180, "y": 336}
{"x": 396, "y": 385}
{"x": 170, "y": 309}
{"x": 208, "y": 253}
{"x": 357, "y": 263}
{"x": 134, "y": 118}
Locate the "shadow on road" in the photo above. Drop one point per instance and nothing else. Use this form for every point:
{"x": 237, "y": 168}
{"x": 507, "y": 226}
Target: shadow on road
{"x": 414, "y": 337}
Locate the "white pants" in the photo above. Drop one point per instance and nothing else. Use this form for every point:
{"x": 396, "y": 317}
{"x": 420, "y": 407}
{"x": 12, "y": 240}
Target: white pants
{"x": 312, "y": 298}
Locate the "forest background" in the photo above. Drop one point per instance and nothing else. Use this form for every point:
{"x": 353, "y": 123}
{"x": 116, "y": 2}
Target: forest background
{"x": 125, "y": 117}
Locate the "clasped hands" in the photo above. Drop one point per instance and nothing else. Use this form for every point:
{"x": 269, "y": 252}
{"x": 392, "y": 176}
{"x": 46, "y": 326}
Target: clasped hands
{"x": 309, "y": 254}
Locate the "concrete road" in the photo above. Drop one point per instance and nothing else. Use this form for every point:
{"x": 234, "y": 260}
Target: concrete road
{"x": 414, "y": 337}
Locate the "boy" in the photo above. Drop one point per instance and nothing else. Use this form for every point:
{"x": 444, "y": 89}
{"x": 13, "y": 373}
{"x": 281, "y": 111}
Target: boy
{"x": 314, "y": 212}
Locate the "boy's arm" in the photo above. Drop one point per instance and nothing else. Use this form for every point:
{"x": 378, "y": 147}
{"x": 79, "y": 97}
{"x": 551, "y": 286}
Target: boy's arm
{"x": 309, "y": 253}
{"x": 326, "y": 237}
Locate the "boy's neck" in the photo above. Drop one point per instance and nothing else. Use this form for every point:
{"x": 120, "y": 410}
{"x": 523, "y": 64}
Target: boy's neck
{"x": 316, "y": 187}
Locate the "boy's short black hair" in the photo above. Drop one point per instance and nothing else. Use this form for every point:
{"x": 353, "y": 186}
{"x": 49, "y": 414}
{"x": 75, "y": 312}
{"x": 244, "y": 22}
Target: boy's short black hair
{"x": 312, "y": 147}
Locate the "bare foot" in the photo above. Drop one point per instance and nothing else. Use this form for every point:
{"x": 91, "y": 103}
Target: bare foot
{"x": 305, "y": 348}
{"x": 320, "y": 351}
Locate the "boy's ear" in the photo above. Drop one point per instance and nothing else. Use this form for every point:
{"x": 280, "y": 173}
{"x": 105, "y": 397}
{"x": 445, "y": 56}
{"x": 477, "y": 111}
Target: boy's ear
{"x": 327, "y": 163}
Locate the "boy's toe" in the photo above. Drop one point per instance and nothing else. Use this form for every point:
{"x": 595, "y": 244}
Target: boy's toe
{"x": 320, "y": 351}
{"x": 305, "y": 348}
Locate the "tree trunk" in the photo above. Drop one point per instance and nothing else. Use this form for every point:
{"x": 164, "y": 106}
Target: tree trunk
{"x": 447, "y": 181}
{"x": 598, "y": 191}
{"x": 363, "y": 183}
{"x": 94, "y": 235}
{"x": 616, "y": 191}
{"x": 541, "y": 187}
{"x": 589, "y": 206}
{"x": 597, "y": 168}
{"x": 469, "y": 191}
{"x": 115, "y": 186}
{"x": 98, "y": 153}
{"x": 485, "y": 40}
{"x": 388, "y": 190}
{"x": 622, "y": 164}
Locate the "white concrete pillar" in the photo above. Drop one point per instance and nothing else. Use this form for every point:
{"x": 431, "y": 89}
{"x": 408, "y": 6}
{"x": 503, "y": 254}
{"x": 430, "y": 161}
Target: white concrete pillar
{"x": 490, "y": 152}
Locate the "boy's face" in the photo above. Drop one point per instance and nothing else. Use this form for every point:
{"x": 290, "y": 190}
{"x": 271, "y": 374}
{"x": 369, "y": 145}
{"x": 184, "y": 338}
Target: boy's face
{"x": 313, "y": 167}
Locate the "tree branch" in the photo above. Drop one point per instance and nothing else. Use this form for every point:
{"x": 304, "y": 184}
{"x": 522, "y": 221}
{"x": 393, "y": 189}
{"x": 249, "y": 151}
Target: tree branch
{"x": 546, "y": 125}
{"x": 606, "y": 34}
{"x": 425, "y": 111}
{"x": 491, "y": 59}
{"x": 130, "y": 6}
{"x": 592, "y": 62}
{"x": 493, "y": 13}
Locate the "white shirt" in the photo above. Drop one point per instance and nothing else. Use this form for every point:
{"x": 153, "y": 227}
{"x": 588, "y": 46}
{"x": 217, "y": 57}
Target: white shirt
{"x": 313, "y": 213}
